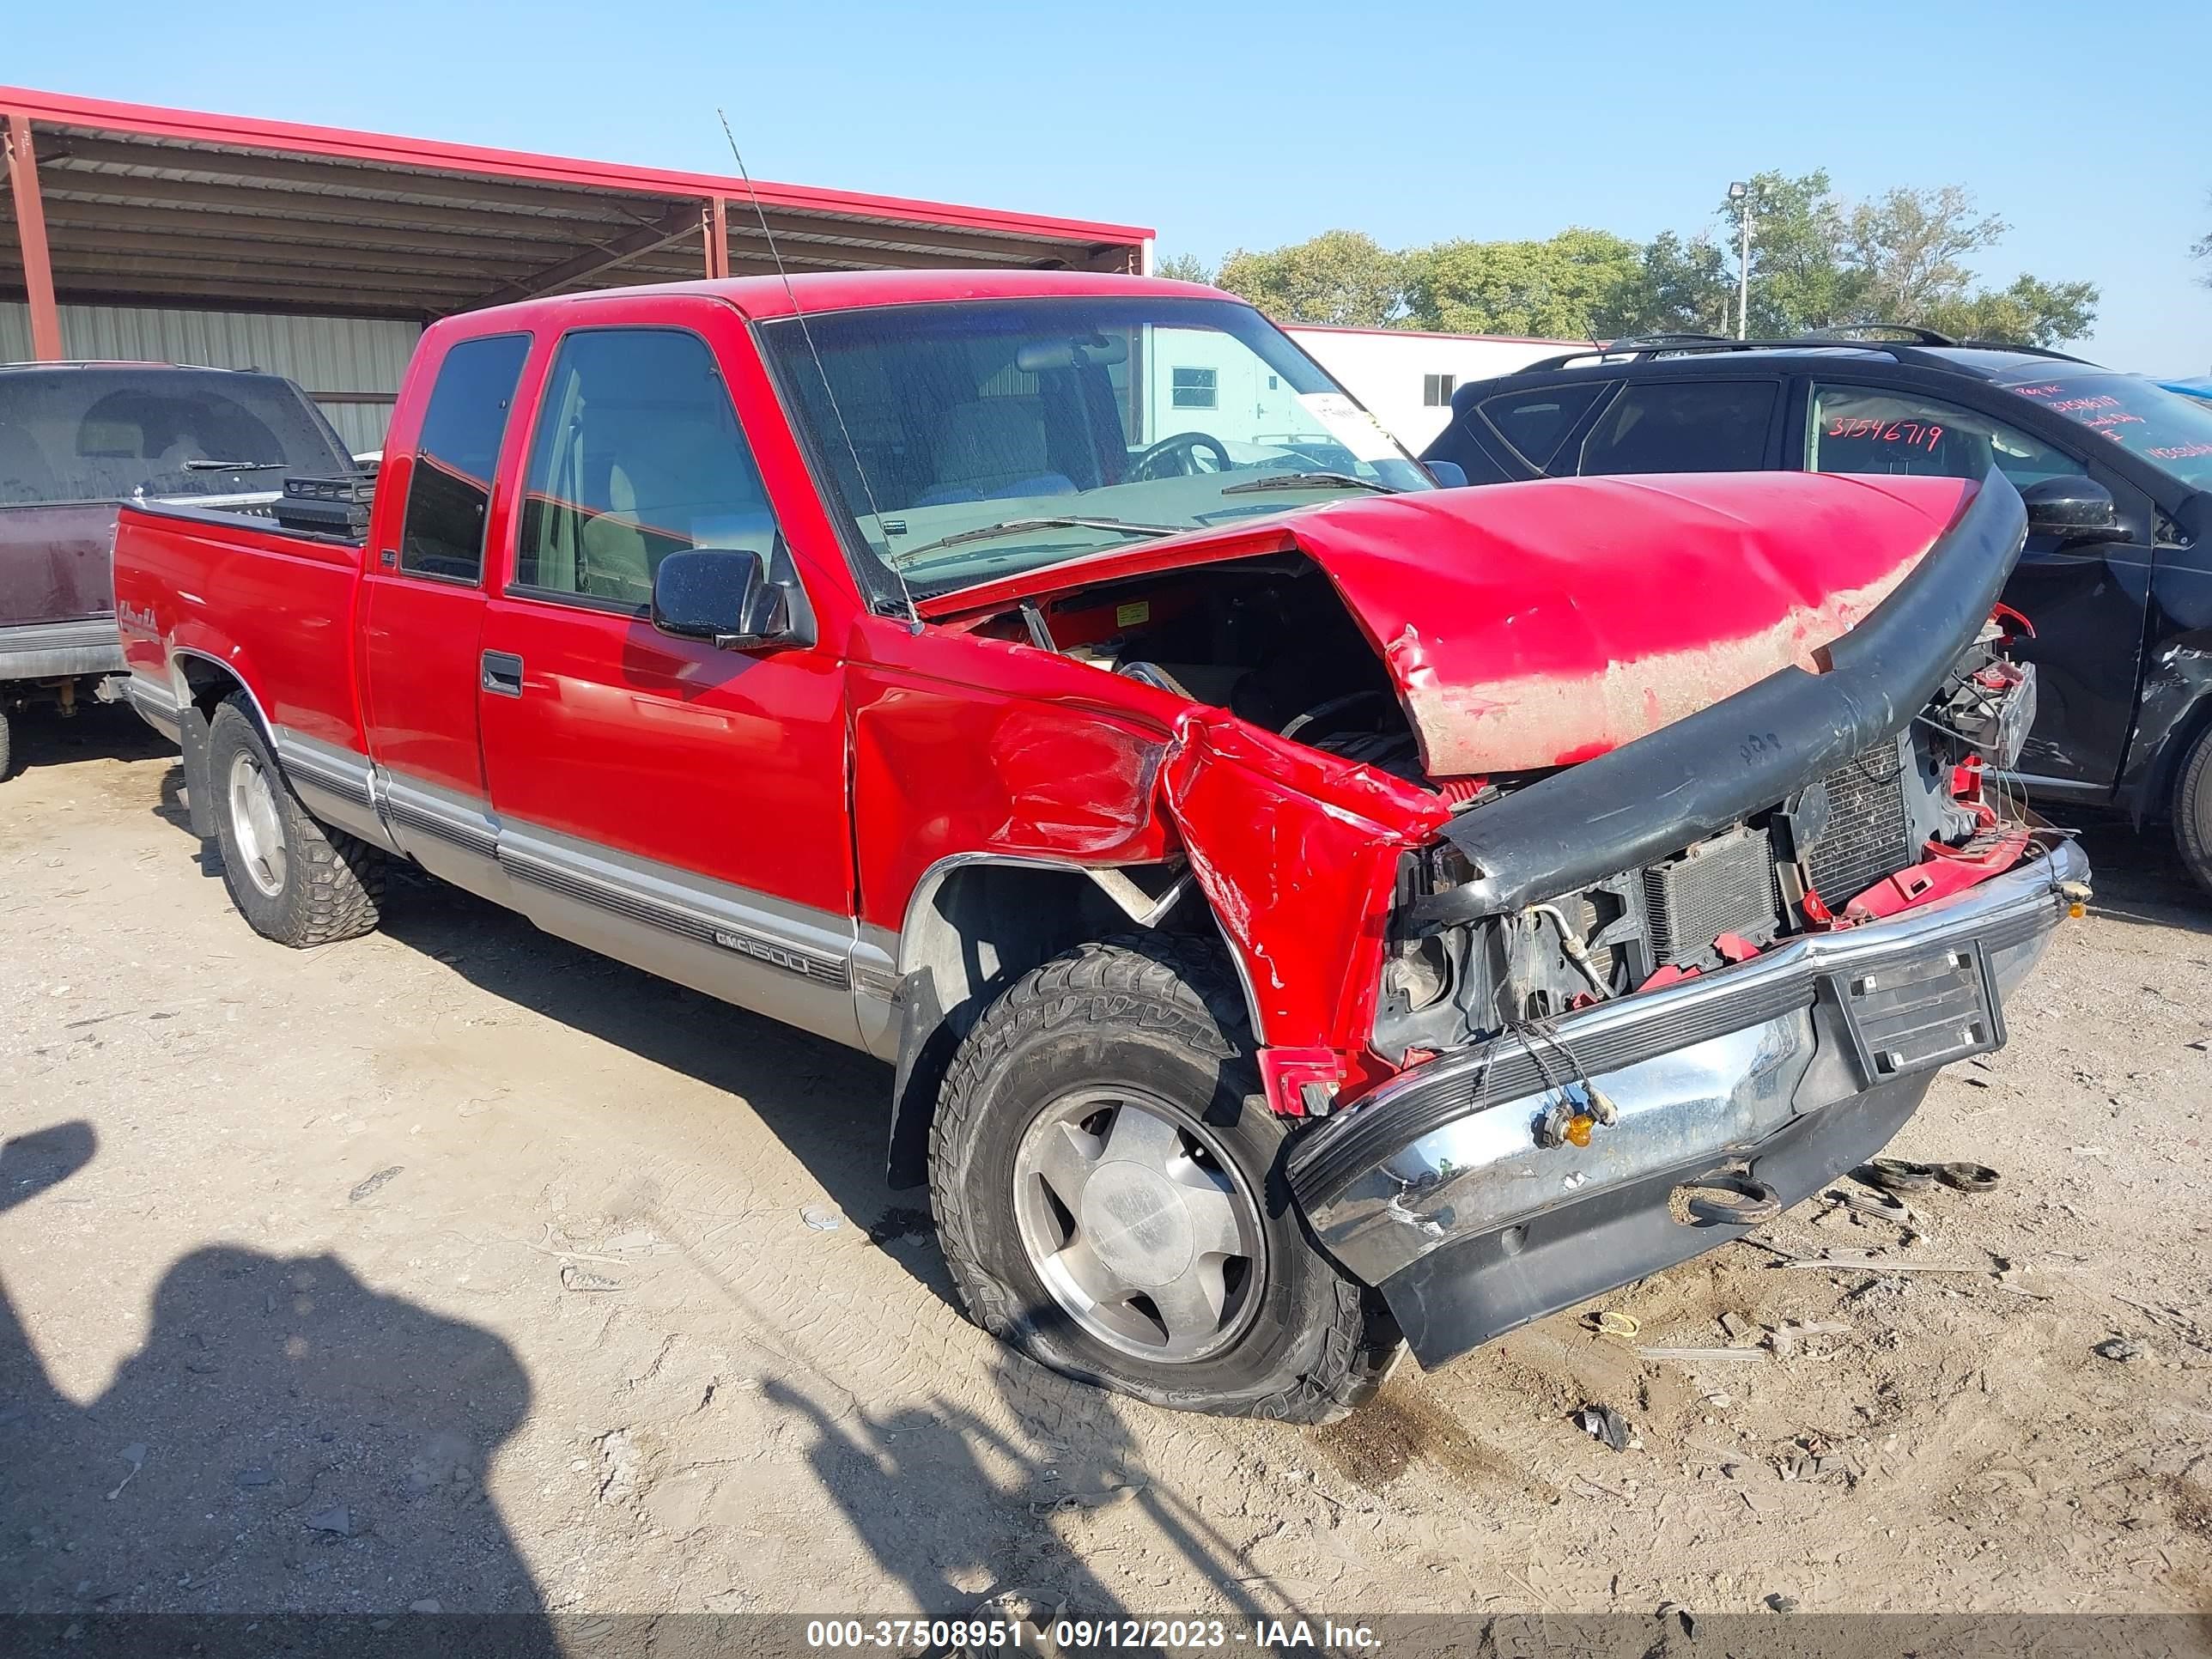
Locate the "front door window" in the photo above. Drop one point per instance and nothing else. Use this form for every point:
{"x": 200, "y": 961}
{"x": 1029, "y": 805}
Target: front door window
{"x": 1865, "y": 428}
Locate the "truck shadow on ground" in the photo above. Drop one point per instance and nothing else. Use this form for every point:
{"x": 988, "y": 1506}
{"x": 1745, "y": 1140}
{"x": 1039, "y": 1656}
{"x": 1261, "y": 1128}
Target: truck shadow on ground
{"x": 961, "y": 1513}
{"x": 828, "y": 1104}
{"x": 42, "y": 737}
{"x": 286, "y": 1440}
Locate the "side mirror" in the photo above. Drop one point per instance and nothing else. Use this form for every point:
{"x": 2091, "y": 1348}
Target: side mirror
{"x": 719, "y": 594}
{"x": 1449, "y": 475}
{"x": 2070, "y": 508}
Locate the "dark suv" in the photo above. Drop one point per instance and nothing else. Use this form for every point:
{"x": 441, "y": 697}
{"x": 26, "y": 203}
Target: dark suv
{"x": 2116, "y": 582}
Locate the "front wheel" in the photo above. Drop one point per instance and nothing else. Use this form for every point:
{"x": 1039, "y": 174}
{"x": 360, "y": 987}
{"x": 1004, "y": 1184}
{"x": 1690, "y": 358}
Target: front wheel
{"x": 1108, "y": 1185}
{"x": 293, "y": 880}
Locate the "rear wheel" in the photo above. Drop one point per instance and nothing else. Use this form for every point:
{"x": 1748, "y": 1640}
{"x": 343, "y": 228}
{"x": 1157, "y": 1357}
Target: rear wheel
{"x": 2192, "y": 810}
{"x": 293, "y": 880}
{"x": 1108, "y": 1184}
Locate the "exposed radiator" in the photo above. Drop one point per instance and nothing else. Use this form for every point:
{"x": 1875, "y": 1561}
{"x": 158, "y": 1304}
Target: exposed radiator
{"x": 1868, "y": 836}
{"x": 1724, "y": 886}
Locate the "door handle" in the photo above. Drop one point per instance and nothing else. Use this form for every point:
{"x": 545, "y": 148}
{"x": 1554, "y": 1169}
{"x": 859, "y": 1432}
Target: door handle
{"x": 502, "y": 673}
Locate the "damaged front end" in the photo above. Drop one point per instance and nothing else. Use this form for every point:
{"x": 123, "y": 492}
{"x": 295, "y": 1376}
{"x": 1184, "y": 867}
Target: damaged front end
{"x": 1644, "y": 1002}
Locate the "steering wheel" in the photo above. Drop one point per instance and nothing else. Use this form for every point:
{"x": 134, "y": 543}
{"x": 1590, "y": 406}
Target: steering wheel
{"x": 1181, "y": 450}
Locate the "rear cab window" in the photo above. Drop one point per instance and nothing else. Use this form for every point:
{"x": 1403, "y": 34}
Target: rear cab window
{"x": 449, "y": 493}
{"x": 1684, "y": 426}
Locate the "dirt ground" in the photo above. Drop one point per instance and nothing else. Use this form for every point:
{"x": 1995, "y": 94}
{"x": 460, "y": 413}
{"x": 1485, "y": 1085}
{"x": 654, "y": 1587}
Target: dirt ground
{"x": 456, "y": 1266}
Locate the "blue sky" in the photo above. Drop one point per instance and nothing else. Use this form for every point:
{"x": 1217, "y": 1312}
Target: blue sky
{"x": 2084, "y": 127}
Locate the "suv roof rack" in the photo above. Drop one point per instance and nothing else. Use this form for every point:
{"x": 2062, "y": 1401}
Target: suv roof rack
{"x": 1845, "y": 331}
{"x": 1841, "y": 339}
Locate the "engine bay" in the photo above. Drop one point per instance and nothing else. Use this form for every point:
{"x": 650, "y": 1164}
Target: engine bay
{"x": 1269, "y": 640}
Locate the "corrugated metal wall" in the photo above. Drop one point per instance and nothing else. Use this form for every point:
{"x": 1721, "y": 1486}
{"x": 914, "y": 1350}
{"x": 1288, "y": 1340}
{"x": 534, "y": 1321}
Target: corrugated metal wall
{"x": 354, "y": 355}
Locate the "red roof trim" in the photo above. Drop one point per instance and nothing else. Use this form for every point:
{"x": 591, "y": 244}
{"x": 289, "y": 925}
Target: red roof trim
{"x": 1429, "y": 334}
{"x": 244, "y": 132}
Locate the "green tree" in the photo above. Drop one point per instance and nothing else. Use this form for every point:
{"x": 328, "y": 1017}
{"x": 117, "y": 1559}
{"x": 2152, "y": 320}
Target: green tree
{"x": 2029, "y": 313}
{"x": 1344, "y": 277}
{"x": 1906, "y": 245}
{"x": 1574, "y": 287}
{"x": 1683, "y": 287}
{"x": 1799, "y": 281}
{"x": 1817, "y": 263}
{"x": 1183, "y": 268}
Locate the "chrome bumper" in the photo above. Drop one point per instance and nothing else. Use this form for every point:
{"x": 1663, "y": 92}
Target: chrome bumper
{"x": 1745, "y": 1065}
{"x": 38, "y": 651}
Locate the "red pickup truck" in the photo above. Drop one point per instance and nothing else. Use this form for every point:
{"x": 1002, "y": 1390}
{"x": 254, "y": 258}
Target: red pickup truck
{"x": 1308, "y": 910}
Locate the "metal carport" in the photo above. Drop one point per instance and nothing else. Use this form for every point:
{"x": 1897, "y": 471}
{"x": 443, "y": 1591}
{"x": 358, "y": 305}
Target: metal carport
{"x": 117, "y": 204}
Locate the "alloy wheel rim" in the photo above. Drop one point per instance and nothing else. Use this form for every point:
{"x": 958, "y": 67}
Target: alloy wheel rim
{"x": 254, "y": 822}
{"x": 1139, "y": 1225}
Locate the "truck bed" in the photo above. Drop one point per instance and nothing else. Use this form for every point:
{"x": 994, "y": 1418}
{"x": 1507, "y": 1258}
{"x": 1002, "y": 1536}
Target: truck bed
{"x": 275, "y": 604}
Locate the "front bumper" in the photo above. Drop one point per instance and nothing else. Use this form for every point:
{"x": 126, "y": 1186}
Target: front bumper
{"x": 1787, "y": 1069}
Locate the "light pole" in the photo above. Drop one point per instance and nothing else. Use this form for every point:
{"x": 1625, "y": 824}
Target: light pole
{"x": 1740, "y": 193}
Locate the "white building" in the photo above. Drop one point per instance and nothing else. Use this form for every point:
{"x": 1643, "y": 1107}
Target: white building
{"x": 1406, "y": 378}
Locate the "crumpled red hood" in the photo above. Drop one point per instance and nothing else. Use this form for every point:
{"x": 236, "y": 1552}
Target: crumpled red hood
{"x": 1531, "y": 625}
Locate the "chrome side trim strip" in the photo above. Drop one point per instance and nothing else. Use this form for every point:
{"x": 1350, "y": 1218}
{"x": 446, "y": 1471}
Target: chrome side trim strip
{"x": 423, "y": 808}
{"x": 156, "y": 704}
{"x": 663, "y": 898}
{"x": 337, "y": 771}
{"x": 336, "y": 784}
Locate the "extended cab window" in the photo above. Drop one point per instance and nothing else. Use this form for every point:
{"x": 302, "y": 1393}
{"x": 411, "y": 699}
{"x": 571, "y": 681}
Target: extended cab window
{"x": 1683, "y": 426}
{"x": 638, "y": 454}
{"x": 447, "y": 500}
{"x": 1865, "y": 429}
{"x": 1535, "y": 423}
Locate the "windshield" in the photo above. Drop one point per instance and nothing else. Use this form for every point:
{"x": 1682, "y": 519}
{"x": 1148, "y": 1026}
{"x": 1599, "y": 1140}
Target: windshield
{"x": 2171, "y": 432}
{"x": 966, "y": 440}
{"x": 102, "y": 433}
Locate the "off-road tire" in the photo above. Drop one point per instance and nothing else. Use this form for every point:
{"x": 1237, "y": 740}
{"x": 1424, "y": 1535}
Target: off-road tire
{"x": 1164, "y": 1013}
{"x": 333, "y": 882}
{"x": 7, "y": 752}
{"x": 2192, "y": 811}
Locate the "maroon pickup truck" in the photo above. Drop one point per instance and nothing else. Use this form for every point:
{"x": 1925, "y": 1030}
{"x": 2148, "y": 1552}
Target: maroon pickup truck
{"x": 1308, "y": 911}
{"x": 77, "y": 438}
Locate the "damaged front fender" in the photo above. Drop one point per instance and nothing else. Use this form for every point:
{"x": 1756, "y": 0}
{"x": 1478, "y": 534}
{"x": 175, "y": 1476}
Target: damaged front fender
{"x": 1298, "y": 853}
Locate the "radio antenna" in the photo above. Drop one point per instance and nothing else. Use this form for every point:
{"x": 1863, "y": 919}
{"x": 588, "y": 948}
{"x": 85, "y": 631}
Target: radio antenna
{"x": 912, "y": 616}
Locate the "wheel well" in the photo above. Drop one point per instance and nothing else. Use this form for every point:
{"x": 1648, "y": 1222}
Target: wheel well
{"x": 208, "y": 683}
{"x": 970, "y": 934}
{"x": 2155, "y": 804}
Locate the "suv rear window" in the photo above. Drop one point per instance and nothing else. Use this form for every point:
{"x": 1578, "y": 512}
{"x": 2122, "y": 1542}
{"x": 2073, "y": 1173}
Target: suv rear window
{"x": 1684, "y": 426}
{"x": 1535, "y": 423}
{"x": 100, "y": 433}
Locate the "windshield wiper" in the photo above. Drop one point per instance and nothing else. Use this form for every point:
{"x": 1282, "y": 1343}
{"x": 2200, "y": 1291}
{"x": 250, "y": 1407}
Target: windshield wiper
{"x": 231, "y": 466}
{"x": 1307, "y": 481}
{"x": 908, "y": 555}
